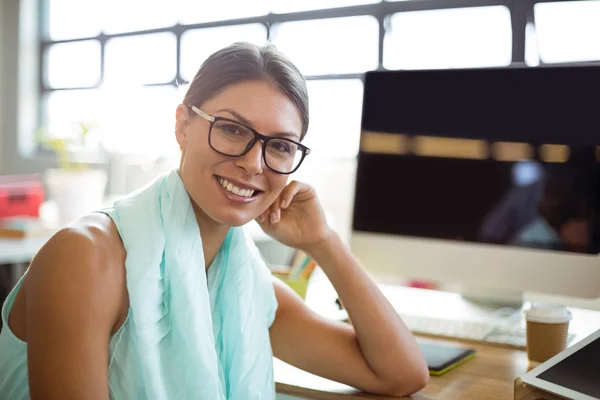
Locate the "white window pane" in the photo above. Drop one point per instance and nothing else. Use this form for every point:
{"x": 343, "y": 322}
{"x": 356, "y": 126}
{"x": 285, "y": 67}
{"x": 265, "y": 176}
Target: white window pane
{"x": 66, "y": 109}
{"x": 194, "y": 11}
{"x": 330, "y": 46}
{"x": 198, "y": 44}
{"x": 532, "y": 53}
{"x": 454, "y": 38}
{"x": 136, "y": 15}
{"x": 141, "y": 59}
{"x": 335, "y": 116}
{"x": 75, "y": 64}
{"x": 139, "y": 120}
{"x": 70, "y": 19}
{"x": 305, "y": 5}
{"x": 568, "y": 31}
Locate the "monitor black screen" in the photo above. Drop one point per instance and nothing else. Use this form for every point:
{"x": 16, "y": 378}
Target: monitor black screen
{"x": 531, "y": 202}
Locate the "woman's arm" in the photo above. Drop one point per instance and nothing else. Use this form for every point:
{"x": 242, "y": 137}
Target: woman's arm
{"x": 74, "y": 293}
{"x": 377, "y": 353}
{"x": 386, "y": 343}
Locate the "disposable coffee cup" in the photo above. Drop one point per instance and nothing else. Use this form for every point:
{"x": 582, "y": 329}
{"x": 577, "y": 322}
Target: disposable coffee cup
{"x": 547, "y": 330}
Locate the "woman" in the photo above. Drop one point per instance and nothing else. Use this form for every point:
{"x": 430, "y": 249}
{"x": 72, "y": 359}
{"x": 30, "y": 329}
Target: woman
{"x": 162, "y": 297}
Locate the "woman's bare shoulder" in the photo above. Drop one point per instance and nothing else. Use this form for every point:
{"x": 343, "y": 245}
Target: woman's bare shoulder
{"x": 85, "y": 263}
{"x": 93, "y": 239}
{"x": 89, "y": 250}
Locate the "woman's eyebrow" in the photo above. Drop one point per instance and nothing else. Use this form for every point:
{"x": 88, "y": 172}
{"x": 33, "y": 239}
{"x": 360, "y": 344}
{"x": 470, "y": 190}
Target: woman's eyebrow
{"x": 245, "y": 121}
{"x": 290, "y": 135}
{"x": 237, "y": 115}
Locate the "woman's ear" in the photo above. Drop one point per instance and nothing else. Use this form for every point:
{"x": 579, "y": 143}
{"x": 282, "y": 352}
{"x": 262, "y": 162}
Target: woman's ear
{"x": 182, "y": 120}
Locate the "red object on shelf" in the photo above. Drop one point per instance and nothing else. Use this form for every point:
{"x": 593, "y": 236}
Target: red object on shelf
{"x": 419, "y": 284}
{"x": 21, "y": 196}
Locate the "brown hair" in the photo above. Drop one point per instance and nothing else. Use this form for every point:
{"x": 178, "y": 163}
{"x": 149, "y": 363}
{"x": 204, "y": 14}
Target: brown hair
{"x": 246, "y": 62}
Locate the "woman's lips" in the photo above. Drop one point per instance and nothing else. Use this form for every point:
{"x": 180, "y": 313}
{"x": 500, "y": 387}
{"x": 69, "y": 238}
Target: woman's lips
{"x": 235, "y": 197}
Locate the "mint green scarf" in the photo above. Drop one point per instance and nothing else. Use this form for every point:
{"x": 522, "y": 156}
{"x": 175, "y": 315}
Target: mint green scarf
{"x": 192, "y": 335}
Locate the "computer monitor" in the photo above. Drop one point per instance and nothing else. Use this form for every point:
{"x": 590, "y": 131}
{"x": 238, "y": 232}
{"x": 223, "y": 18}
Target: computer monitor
{"x": 487, "y": 178}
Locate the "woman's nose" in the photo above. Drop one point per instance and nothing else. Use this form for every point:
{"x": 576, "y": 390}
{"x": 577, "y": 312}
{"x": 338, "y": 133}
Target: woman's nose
{"x": 252, "y": 161}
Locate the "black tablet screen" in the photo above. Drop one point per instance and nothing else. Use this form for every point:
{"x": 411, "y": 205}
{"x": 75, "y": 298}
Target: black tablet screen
{"x": 579, "y": 372}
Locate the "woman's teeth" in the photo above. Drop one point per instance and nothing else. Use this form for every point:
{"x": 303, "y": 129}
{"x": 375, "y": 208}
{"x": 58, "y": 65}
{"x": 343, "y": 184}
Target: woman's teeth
{"x": 234, "y": 189}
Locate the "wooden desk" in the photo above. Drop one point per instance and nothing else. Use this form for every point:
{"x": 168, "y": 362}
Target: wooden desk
{"x": 490, "y": 375}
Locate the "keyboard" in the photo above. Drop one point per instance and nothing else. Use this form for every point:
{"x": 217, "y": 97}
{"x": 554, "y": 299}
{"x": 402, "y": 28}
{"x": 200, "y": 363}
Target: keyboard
{"x": 506, "y": 333}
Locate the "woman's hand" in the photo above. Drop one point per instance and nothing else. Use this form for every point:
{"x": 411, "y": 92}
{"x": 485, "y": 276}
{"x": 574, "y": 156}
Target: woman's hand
{"x": 296, "y": 218}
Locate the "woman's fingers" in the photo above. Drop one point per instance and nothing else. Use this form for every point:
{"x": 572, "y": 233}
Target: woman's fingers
{"x": 273, "y": 214}
{"x": 288, "y": 193}
{"x": 262, "y": 217}
{"x": 275, "y": 211}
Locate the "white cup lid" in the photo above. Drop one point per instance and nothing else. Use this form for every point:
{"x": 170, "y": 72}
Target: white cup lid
{"x": 548, "y": 313}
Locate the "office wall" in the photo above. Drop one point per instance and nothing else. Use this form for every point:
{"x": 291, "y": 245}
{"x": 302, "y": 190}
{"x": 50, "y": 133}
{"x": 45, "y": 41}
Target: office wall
{"x": 2, "y": 79}
{"x": 19, "y": 90}
{"x": 8, "y": 53}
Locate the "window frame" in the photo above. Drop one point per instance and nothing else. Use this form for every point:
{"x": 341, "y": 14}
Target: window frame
{"x": 379, "y": 11}
{"x": 522, "y": 14}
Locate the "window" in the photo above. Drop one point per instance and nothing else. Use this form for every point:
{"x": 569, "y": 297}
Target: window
{"x": 120, "y": 16}
{"x": 198, "y": 44}
{"x": 141, "y": 59}
{"x": 66, "y": 108}
{"x": 62, "y": 25}
{"x": 335, "y": 114}
{"x": 140, "y": 120}
{"x": 334, "y": 45}
{"x": 454, "y": 38}
{"x": 122, "y": 65}
{"x": 194, "y": 11}
{"x": 75, "y": 64}
{"x": 568, "y": 31}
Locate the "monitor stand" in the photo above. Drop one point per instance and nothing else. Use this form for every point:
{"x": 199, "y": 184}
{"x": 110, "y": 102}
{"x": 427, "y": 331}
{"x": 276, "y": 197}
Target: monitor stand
{"x": 493, "y": 298}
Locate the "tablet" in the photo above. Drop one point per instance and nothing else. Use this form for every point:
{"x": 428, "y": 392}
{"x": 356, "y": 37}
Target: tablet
{"x": 573, "y": 373}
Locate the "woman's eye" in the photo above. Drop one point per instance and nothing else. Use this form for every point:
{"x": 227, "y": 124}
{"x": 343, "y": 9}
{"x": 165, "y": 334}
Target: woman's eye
{"x": 233, "y": 129}
{"x": 282, "y": 147}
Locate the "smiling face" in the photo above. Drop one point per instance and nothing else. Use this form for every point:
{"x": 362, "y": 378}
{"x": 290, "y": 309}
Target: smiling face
{"x": 261, "y": 106}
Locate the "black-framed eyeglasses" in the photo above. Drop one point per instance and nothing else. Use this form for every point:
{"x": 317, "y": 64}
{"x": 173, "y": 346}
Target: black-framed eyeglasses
{"x": 233, "y": 139}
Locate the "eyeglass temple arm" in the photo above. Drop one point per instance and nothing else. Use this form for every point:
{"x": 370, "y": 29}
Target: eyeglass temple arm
{"x": 203, "y": 114}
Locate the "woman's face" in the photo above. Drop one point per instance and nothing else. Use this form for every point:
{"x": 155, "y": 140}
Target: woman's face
{"x": 259, "y": 105}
